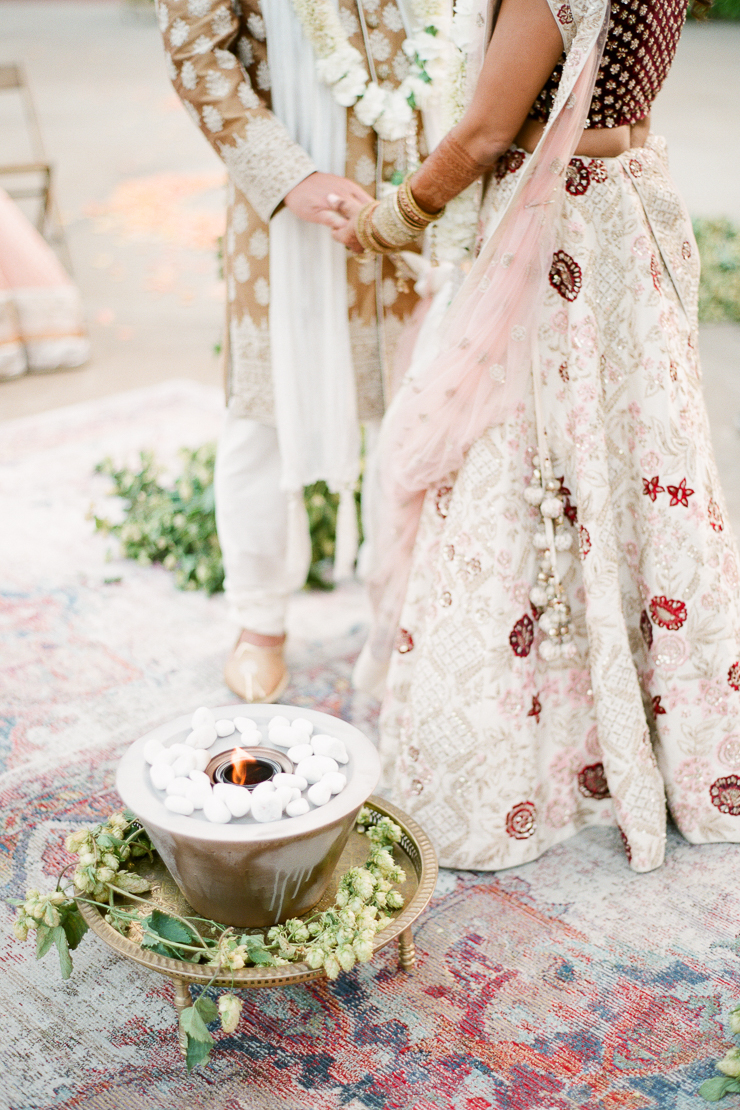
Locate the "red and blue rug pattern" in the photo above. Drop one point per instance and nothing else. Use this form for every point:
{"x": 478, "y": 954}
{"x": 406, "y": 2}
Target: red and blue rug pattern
{"x": 571, "y": 983}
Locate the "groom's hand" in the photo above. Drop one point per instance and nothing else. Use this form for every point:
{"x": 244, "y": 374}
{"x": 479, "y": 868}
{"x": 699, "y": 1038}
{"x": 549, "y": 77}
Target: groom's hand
{"x": 310, "y": 201}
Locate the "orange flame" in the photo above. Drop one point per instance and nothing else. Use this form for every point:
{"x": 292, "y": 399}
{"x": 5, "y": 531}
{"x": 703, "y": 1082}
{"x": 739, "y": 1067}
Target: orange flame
{"x": 239, "y": 761}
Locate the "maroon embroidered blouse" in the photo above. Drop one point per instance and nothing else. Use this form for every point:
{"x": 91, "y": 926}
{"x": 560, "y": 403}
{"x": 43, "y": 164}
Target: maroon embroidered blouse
{"x": 640, "y": 47}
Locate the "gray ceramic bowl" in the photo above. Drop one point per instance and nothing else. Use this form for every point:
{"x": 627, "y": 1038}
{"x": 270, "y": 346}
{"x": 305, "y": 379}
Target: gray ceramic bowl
{"x": 247, "y": 873}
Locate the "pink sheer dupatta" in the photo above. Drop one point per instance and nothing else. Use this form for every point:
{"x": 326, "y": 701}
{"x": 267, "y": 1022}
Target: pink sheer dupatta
{"x": 478, "y": 368}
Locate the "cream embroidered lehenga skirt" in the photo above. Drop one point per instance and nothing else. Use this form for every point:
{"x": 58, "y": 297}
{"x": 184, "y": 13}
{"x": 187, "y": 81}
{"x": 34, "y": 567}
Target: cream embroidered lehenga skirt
{"x": 498, "y": 754}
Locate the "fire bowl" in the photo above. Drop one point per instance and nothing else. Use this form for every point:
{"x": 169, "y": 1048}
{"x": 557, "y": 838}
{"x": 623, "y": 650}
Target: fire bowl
{"x": 248, "y": 873}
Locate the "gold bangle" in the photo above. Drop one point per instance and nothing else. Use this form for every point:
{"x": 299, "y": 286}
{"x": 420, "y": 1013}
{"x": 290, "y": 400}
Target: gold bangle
{"x": 370, "y": 237}
{"x": 407, "y": 217}
{"x": 410, "y": 202}
{"x": 362, "y": 227}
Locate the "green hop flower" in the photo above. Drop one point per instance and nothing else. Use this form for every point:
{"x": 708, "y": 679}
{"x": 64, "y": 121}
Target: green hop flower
{"x": 229, "y": 1008}
{"x": 730, "y": 1065}
{"x": 347, "y": 957}
{"x": 21, "y": 927}
{"x": 331, "y": 967}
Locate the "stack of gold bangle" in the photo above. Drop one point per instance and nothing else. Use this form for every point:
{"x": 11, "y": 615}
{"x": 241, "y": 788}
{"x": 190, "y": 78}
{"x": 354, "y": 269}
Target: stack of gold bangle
{"x": 390, "y": 224}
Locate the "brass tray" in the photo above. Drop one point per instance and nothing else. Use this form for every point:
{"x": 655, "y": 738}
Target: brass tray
{"x": 414, "y": 854}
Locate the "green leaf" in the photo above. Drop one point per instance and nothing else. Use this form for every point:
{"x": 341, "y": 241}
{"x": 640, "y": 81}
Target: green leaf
{"x": 714, "y": 1089}
{"x": 207, "y": 1008}
{"x": 192, "y": 1023}
{"x": 65, "y": 960}
{"x": 74, "y": 926}
{"x": 44, "y": 940}
{"x": 197, "y": 1053}
{"x": 169, "y": 928}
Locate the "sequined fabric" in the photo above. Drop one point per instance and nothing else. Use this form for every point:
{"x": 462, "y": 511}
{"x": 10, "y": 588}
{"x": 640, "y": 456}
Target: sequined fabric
{"x": 640, "y": 47}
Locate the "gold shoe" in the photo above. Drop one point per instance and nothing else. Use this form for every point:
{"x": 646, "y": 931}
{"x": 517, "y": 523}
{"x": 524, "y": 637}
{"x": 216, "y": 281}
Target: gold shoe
{"x": 256, "y": 674}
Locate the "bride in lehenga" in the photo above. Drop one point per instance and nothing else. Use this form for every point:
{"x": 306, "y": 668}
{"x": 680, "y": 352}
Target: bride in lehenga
{"x": 557, "y": 603}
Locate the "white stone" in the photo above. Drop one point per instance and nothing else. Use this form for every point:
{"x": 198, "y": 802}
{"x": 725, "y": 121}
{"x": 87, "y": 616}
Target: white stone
{"x": 284, "y": 794}
{"x": 335, "y": 780}
{"x": 176, "y": 803}
{"x": 202, "y": 758}
{"x": 216, "y": 811}
{"x": 225, "y": 727}
{"x": 283, "y": 736}
{"x": 202, "y": 737}
{"x": 197, "y": 775}
{"x": 302, "y": 724}
{"x": 153, "y": 749}
{"x": 244, "y": 724}
{"x": 329, "y": 745}
{"x": 262, "y": 789}
{"x": 199, "y": 793}
{"x": 299, "y": 752}
{"x": 184, "y": 764}
{"x": 282, "y": 778}
{"x": 202, "y": 716}
{"x": 297, "y": 807}
{"x": 161, "y": 775}
{"x": 179, "y": 785}
{"x": 319, "y": 794}
{"x": 278, "y": 720}
{"x": 237, "y": 799}
{"x": 165, "y": 758}
{"x": 266, "y": 807}
{"x": 294, "y": 793}
{"x": 314, "y": 767}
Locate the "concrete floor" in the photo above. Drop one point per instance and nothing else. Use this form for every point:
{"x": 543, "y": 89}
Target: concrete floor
{"x": 116, "y": 132}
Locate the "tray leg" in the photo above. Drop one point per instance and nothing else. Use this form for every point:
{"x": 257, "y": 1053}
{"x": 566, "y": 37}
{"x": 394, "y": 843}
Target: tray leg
{"x": 182, "y": 1001}
{"x": 406, "y": 950}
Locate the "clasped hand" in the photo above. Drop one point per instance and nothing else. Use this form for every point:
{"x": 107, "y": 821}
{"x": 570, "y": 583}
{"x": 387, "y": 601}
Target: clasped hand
{"x": 324, "y": 198}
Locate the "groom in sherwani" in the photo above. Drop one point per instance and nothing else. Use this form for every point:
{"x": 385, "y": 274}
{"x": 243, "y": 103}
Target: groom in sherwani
{"x": 220, "y": 58}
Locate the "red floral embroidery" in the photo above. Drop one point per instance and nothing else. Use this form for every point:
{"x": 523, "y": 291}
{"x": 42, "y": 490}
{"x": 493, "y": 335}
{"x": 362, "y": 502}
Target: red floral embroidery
{"x": 651, "y": 487}
{"x": 536, "y": 708}
{"x": 563, "y": 371}
{"x": 592, "y": 781}
{"x": 635, "y": 166}
{"x": 508, "y": 163}
{"x": 569, "y": 509}
{"x": 584, "y": 541}
{"x": 646, "y": 628}
{"x": 442, "y": 500}
{"x": 522, "y": 636}
{"x": 725, "y": 795}
{"x": 658, "y": 709}
{"x": 680, "y": 494}
{"x": 565, "y": 276}
{"x": 577, "y": 178}
{"x": 668, "y": 612}
{"x": 715, "y": 516}
{"x": 627, "y": 849}
{"x": 686, "y": 250}
{"x": 655, "y": 271}
{"x": 673, "y": 371}
{"x": 521, "y": 821}
{"x": 597, "y": 171}
{"x": 733, "y": 676}
{"x": 565, "y": 15}
{"x": 404, "y": 641}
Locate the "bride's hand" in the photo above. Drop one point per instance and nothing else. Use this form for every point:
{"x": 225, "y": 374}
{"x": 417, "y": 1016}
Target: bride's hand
{"x": 347, "y": 208}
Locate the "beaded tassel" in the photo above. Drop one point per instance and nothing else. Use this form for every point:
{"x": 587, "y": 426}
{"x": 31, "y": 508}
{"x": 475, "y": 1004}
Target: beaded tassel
{"x": 548, "y": 594}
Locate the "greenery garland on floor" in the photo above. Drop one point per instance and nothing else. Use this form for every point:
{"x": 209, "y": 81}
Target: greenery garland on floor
{"x": 335, "y": 939}
{"x": 176, "y": 525}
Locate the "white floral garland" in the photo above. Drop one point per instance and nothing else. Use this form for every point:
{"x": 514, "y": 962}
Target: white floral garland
{"x": 339, "y": 65}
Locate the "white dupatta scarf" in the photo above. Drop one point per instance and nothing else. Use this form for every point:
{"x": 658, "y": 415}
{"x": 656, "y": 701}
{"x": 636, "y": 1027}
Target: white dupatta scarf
{"x": 315, "y": 396}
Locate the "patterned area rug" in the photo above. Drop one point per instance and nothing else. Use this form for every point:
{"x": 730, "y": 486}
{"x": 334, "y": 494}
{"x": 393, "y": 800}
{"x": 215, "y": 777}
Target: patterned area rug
{"x": 567, "y": 984}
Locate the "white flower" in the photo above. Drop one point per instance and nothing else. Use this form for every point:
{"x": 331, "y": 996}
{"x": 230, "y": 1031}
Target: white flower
{"x": 239, "y": 218}
{"x": 217, "y": 84}
{"x": 364, "y": 171}
{"x": 199, "y": 8}
{"x": 256, "y": 25}
{"x": 416, "y": 88}
{"x": 396, "y": 117}
{"x": 189, "y": 75}
{"x": 178, "y": 32}
{"x": 338, "y": 64}
{"x": 224, "y": 58}
{"x": 202, "y": 45}
{"x": 163, "y": 16}
{"x": 246, "y": 52}
{"x": 248, "y": 96}
{"x": 263, "y": 76}
{"x": 347, "y": 91}
{"x": 213, "y": 119}
{"x": 392, "y": 17}
{"x": 370, "y": 106}
{"x": 259, "y": 245}
{"x": 380, "y": 48}
{"x": 261, "y": 291}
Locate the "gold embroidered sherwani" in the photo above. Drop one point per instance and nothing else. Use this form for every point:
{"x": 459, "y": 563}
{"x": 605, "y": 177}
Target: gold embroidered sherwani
{"x": 218, "y": 62}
